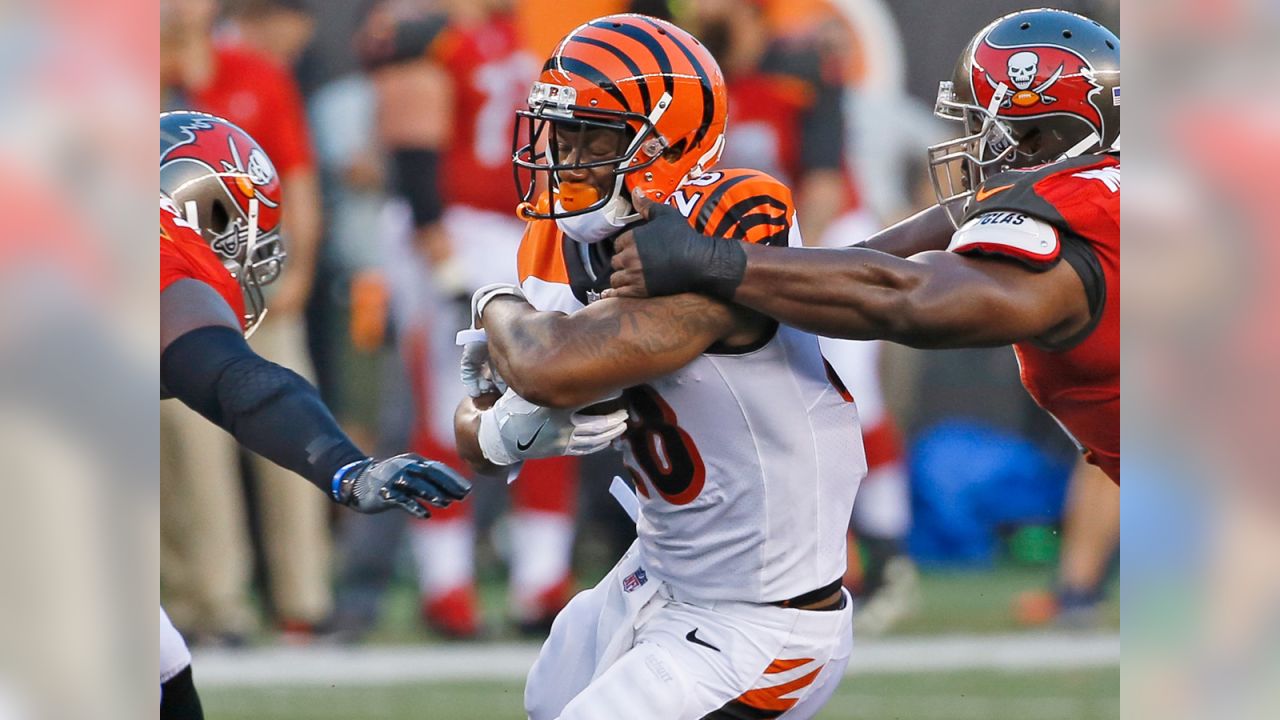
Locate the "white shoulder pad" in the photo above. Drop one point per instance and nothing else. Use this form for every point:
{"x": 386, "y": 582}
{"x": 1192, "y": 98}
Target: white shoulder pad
{"x": 794, "y": 238}
{"x": 1011, "y": 234}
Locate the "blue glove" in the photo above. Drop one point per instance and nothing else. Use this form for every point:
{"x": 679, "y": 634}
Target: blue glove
{"x": 409, "y": 482}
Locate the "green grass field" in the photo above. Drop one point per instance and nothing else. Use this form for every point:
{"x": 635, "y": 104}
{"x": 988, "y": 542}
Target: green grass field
{"x": 1072, "y": 695}
{"x": 952, "y": 602}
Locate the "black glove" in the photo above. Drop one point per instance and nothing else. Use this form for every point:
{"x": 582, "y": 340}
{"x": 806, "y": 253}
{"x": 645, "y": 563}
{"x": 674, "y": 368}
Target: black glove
{"x": 675, "y": 258}
{"x": 405, "y": 481}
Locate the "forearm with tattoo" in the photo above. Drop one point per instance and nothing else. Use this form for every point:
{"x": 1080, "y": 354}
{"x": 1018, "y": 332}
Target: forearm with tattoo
{"x": 563, "y": 360}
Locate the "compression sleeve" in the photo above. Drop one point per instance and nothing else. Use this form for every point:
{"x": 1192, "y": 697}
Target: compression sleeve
{"x": 267, "y": 408}
{"x": 416, "y": 180}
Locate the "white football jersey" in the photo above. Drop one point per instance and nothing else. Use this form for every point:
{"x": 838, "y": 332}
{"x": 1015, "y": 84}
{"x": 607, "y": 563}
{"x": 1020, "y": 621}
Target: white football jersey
{"x": 746, "y": 461}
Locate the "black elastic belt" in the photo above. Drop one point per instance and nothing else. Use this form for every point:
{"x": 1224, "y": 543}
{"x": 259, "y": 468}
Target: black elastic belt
{"x": 814, "y": 596}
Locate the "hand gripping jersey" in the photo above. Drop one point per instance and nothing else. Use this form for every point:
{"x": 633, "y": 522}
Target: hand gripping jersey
{"x": 1078, "y": 382}
{"x": 746, "y": 461}
{"x": 184, "y": 254}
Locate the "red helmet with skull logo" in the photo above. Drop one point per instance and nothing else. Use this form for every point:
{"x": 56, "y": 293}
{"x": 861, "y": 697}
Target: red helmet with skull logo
{"x": 222, "y": 182}
{"x": 1031, "y": 88}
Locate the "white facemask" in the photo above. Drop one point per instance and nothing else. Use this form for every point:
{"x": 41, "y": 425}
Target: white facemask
{"x": 607, "y": 221}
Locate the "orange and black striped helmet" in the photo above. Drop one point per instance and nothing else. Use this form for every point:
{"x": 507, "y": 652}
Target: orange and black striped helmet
{"x": 633, "y": 73}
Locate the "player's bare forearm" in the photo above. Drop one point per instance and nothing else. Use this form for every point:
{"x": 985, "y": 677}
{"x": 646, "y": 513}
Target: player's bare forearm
{"x": 927, "y": 230}
{"x": 559, "y": 360}
{"x": 665, "y": 256}
{"x": 466, "y": 432}
{"x": 935, "y": 300}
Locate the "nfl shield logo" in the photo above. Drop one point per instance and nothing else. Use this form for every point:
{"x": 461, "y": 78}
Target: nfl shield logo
{"x": 634, "y": 580}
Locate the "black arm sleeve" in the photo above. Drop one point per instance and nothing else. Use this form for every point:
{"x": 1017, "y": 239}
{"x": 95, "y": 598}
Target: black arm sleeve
{"x": 1077, "y": 252}
{"x": 268, "y": 408}
{"x": 417, "y": 181}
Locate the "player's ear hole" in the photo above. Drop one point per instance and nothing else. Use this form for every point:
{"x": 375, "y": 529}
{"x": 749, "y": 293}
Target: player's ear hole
{"x": 674, "y": 152}
{"x": 219, "y": 217}
{"x": 1030, "y": 143}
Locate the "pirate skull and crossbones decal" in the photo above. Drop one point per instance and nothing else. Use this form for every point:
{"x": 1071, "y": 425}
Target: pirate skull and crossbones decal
{"x": 1022, "y": 68}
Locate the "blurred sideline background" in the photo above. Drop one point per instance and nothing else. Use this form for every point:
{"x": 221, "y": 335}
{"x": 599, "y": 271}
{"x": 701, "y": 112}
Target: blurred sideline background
{"x": 82, "y": 430}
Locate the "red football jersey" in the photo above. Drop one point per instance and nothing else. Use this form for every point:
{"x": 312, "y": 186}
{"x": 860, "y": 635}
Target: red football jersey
{"x": 491, "y": 76}
{"x": 255, "y": 93}
{"x": 765, "y": 121}
{"x": 1079, "y": 385}
{"x": 786, "y": 117}
{"x": 184, "y": 254}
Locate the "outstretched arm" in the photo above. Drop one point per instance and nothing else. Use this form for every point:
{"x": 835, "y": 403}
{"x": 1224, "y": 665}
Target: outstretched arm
{"x": 933, "y": 299}
{"x": 936, "y": 299}
{"x": 678, "y": 259}
{"x": 271, "y": 410}
{"x": 559, "y": 360}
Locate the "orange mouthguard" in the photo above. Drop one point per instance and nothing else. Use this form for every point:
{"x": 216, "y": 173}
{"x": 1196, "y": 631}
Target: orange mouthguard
{"x": 576, "y": 196}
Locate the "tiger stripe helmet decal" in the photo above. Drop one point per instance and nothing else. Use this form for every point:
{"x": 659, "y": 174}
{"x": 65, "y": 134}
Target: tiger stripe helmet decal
{"x": 634, "y": 73}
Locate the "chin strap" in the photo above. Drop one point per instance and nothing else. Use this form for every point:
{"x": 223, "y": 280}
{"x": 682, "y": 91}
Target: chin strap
{"x": 619, "y": 189}
{"x": 1079, "y": 148}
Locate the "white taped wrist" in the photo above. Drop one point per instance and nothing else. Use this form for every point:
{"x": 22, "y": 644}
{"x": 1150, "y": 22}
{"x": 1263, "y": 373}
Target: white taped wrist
{"x": 470, "y": 335}
{"x": 488, "y": 293}
{"x": 489, "y": 438}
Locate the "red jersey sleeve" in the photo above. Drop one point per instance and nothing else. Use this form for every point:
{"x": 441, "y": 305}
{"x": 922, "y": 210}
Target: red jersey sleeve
{"x": 185, "y": 255}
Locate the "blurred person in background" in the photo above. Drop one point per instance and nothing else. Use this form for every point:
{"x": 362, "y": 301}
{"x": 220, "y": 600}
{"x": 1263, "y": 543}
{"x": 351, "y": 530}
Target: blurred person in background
{"x": 82, "y": 584}
{"x": 77, "y": 373}
{"x": 787, "y": 96}
{"x": 220, "y": 244}
{"x": 448, "y": 87}
{"x": 258, "y": 93}
{"x": 357, "y": 370}
{"x": 1203, "y": 343}
{"x": 1090, "y": 541}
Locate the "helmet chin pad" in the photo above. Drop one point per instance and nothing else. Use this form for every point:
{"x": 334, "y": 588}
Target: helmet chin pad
{"x": 574, "y": 196}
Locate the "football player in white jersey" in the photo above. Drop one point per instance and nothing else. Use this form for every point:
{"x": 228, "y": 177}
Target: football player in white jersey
{"x": 743, "y": 444}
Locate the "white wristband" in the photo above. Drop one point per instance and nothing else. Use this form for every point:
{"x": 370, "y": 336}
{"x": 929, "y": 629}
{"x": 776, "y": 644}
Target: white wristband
{"x": 471, "y": 335}
{"x": 486, "y": 294}
{"x": 489, "y": 437}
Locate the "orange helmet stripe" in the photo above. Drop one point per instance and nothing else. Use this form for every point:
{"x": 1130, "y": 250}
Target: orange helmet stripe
{"x": 708, "y": 97}
{"x": 645, "y": 99}
{"x": 646, "y": 38}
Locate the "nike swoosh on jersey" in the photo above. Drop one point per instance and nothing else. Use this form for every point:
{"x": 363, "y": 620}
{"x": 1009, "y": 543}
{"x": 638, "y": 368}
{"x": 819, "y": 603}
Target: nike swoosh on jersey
{"x": 984, "y": 193}
{"x": 526, "y": 445}
{"x": 693, "y": 638}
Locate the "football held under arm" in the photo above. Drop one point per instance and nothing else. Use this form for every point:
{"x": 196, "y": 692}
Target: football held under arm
{"x": 559, "y": 360}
